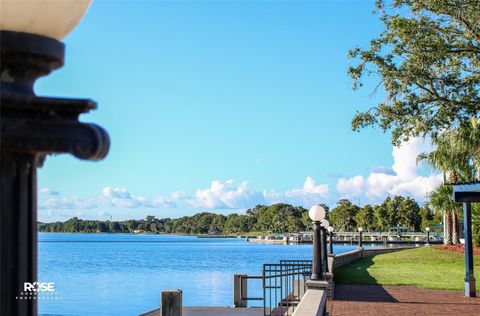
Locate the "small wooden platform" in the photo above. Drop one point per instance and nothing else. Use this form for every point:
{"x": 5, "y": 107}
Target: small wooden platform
{"x": 214, "y": 311}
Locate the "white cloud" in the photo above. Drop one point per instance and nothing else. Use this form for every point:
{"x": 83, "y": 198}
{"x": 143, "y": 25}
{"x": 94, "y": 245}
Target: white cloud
{"x": 68, "y": 203}
{"x": 378, "y": 185}
{"x": 405, "y": 157}
{"x": 383, "y": 169}
{"x": 178, "y": 195}
{"x": 54, "y": 215}
{"x": 47, "y": 191}
{"x": 226, "y": 195}
{"x": 116, "y": 193}
{"x": 353, "y": 186}
{"x": 120, "y": 197}
{"x": 219, "y": 196}
{"x": 109, "y": 197}
{"x": 404, "y": 180}
{"x": 308, "y": 195}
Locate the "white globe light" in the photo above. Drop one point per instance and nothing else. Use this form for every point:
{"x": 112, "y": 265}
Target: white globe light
{"x": 330, "y": 229}
{"x": 49, "y": 18}
{"x": 360, "y": 229}
{"x": 325, "y": 223}
{"x": 317, "y": 213}
{"x": 427, "y": 229}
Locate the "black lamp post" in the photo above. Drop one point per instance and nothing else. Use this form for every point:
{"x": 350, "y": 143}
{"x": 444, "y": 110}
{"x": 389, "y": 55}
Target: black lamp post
{"x": 325, "y": 224}
{"x": 31, "y": 128}
{"x": 360, "y": 241}
{"x": 428, "y": 235}
{"x": 317, "y": 213}
{"x": 330, "y": 237}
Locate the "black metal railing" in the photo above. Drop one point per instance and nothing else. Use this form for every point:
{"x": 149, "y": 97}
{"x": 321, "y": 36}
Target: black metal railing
{"x": 283, "y": 286}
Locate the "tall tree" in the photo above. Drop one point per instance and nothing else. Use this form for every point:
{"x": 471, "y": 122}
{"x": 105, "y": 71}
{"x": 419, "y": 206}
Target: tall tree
{"x": 342, "y": 216}
{"x": 381, "y": 217}
{"x": 428, "y": 62}
{"x": 393, "y": 208}
{"x": 233, "y": 224}
{"x": 429, "y": 218}
{"x": 306, "y": 221}
{"x": 409, "y": 214}
{"x": 365, "y": 218}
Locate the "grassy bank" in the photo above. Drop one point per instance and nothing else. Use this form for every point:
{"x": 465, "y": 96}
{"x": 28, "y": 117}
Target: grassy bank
{"x": 425, "y": 267}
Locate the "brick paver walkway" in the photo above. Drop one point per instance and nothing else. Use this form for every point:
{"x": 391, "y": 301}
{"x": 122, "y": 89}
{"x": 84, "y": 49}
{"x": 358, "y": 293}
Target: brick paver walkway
{"x": 399, "y": 300}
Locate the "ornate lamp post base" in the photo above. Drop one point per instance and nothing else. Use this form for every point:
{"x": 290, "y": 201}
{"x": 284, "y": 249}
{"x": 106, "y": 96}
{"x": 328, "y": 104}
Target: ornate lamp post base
{"x": 31, "y": 128}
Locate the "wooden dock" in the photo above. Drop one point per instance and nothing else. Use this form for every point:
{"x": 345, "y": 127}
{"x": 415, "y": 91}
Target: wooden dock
{"x": 213, "y": 311}
{"x": 285, "y": 307}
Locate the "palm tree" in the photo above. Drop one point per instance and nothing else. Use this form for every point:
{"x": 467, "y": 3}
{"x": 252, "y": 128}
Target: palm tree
{"x": 441, "y": 202}
{"x": 452, "y": 156}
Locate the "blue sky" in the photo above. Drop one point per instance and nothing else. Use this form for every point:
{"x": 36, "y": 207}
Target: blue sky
{"x": 220, "y": 105}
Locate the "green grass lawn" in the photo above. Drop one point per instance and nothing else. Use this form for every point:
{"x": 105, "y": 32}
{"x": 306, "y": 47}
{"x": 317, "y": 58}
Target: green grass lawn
{"x": 424, "y": 267}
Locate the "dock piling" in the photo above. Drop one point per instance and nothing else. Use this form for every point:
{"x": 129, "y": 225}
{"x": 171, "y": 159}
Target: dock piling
{"x": 171, "y": 303}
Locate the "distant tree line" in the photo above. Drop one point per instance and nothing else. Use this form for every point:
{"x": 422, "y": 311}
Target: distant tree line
{"x": 278, "y": 217}
{"x": 393, "y": 212}
{"x": 346, "y": 216}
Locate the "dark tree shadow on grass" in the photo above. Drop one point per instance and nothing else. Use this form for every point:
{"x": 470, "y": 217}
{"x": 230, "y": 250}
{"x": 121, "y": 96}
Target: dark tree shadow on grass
{"x": 353, "y": 282}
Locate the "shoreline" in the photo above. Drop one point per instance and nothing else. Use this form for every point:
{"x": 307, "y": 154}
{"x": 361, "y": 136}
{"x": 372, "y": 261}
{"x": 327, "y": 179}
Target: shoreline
{"x": 128, "y": 233}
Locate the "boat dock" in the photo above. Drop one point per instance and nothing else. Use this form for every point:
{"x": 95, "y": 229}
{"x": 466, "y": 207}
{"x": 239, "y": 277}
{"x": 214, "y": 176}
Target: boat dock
{"x": 350, "y": 238}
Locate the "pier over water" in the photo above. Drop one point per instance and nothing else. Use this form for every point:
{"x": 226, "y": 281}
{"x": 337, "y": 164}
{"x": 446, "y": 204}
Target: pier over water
{"x": 352, "y": 237}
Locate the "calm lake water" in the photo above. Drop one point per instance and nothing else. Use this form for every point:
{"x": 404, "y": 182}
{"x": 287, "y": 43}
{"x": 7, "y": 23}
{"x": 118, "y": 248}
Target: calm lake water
{"x": 121, "y": 274}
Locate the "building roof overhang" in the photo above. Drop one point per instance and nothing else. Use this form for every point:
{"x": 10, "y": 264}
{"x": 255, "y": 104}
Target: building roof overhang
{"x": 466, "y": 192}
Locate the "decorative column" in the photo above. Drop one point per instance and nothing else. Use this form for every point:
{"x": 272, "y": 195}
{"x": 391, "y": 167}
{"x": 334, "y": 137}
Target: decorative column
{"x": 31, "y": 128}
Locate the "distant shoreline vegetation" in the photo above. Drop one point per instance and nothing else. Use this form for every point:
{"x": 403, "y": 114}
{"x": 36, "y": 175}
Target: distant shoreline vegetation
{"x": 277, "y": 218}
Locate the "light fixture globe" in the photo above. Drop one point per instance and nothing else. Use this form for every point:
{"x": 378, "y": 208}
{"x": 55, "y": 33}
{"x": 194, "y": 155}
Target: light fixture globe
{"x": 360, "y": 229}
{"x": 48, "y": 18}
{"x": 325, "y": 223}
{"x": 330, "y": 229}
{"x": 317, "y": 213}
{"x": 427, "y": 229}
